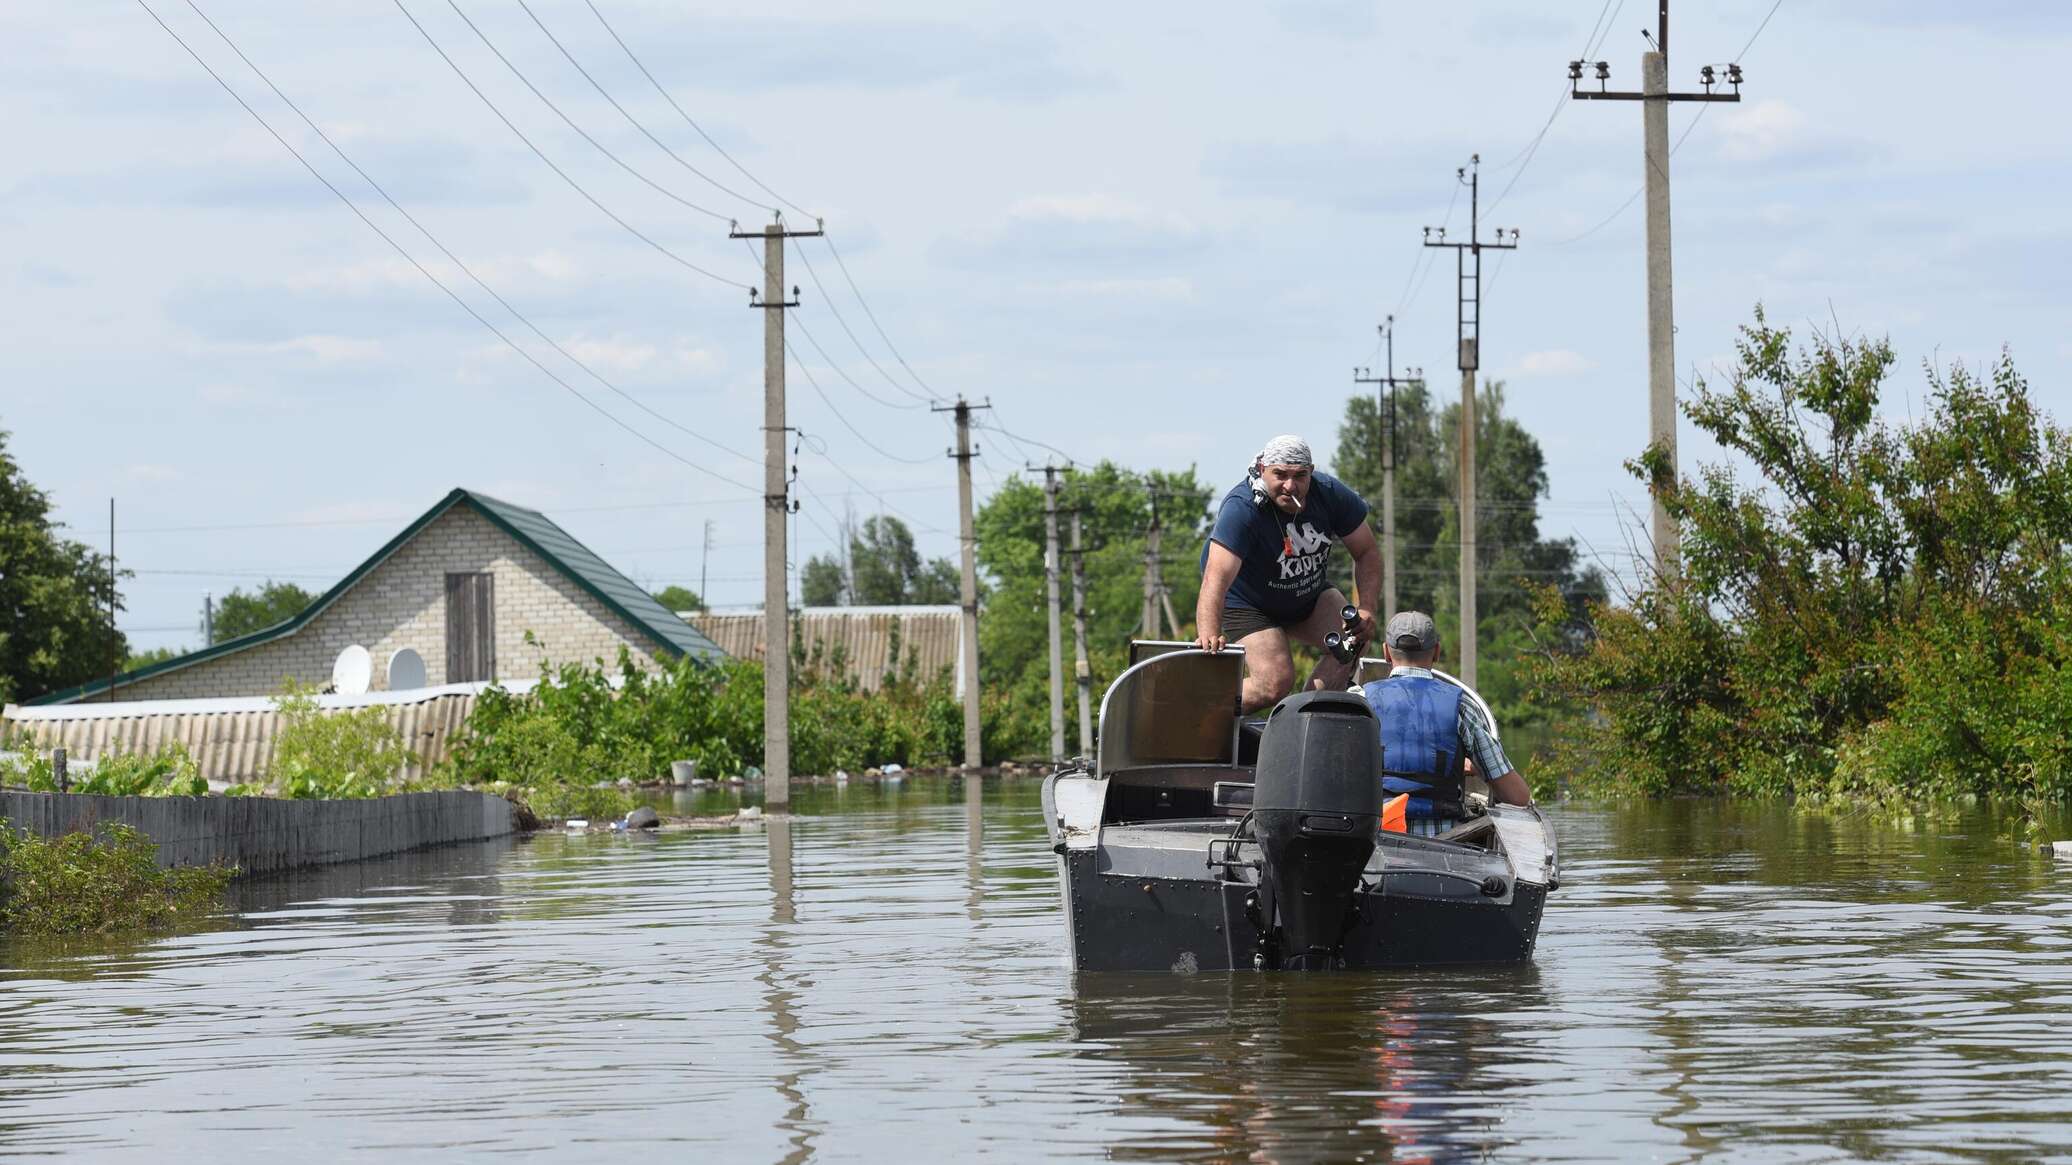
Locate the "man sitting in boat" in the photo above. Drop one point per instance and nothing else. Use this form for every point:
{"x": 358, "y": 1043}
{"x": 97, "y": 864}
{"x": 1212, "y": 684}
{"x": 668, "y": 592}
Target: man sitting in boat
{"x": 1430, "y": 731}
{"x": 1263, "y": 570}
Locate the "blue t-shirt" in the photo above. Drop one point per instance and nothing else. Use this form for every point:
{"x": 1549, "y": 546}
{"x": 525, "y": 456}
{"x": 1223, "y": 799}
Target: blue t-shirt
{"x": 1282, "y": 558}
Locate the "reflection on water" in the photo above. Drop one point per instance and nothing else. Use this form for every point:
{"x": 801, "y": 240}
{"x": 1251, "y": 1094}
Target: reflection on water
{"x": 881, "y": 977}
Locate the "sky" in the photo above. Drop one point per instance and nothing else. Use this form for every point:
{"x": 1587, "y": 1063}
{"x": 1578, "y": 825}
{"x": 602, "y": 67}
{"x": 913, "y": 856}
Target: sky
{"x": 1152, "y": 233}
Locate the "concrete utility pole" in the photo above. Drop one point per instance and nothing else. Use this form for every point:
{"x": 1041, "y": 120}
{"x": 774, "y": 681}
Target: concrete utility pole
{"x": 1385, "y": 418}
{"x": 1468, "y": 313}
{"x": 1050, "y": 585}
{"x": 968, "y": 591}
{"x": 777, "y": 506}
{"x": 1655, "y": 98}
{"x": 208, "y": 619}
{"x": 1082, "y": 676}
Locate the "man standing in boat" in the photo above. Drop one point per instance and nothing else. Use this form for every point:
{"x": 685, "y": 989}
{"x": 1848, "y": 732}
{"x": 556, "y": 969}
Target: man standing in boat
{"x": 1431, "y": 731}
{"x": 1262, "y": 571}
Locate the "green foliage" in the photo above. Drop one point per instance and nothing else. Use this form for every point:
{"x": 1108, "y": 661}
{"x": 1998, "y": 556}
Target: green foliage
{"x": 1513, "y": 562}
{"x": 55, "y": 626}
{"x": 678, "y": 598}
{"x": 171, "y": 772}
{"x": 884, "y": 570}
{"x": 339, "y": 754}
{"x": 157, "y": 655}
{"x": 1115, "y": 507}
{"x": 1882, "y": 614}
{"x": 238, "y": 613}
{"x": 82, "y": 884}
{"x": 582, "y": 724}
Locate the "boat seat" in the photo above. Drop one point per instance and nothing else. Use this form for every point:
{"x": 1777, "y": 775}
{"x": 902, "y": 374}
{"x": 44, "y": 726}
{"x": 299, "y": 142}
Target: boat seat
{"x": 1475, "y": 829}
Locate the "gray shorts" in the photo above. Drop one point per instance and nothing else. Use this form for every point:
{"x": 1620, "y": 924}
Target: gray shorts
{"x": 1239, "y": 622}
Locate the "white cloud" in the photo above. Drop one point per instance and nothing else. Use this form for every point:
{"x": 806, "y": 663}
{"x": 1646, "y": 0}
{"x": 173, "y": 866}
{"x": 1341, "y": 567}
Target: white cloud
{"x": 150, "y": 472}
{"x": 1554, "y": 362}
{"x": 1165, "y": 289}
{"x": 500, "y": 272}
{"x": 1761, "y": 131}
{"x": 326, "y": 349}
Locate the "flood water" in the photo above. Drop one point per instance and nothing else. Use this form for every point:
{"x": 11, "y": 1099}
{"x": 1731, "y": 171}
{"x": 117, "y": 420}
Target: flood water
{"x": 882, "y": 979}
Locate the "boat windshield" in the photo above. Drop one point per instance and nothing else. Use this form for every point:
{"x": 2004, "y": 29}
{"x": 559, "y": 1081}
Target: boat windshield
{"x": 1173, "y": 709}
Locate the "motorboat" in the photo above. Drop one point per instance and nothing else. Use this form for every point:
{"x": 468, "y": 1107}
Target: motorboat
{"x": 1199, "y": 840}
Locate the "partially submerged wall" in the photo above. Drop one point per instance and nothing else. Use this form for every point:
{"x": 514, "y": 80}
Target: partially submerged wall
{"x": 262, "y": 835}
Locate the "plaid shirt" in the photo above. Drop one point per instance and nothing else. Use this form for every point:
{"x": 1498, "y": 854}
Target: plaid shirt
{"x": 1477, "y": 738}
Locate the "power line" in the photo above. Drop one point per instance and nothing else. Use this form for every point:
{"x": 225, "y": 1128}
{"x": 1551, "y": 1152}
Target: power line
{"x": 423, "y": 270}
{"x": 1591, "y": 44}
{"x": 1698, "y": 117}
{"x": 857, "y": 433}
{"x": 873, "y": 316}
{"x": 446, "y": 251}
{"x": 631, "y": 120}
{"x": 624, "y": 47}
{"x": 570, "y": 122}
{"x": 760, "y": 184}
{"x": 818, "y": 286}
{"x": 636, "y": 232}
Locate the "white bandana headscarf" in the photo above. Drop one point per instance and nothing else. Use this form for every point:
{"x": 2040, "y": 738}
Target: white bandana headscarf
{"x": 1286, "y": 449}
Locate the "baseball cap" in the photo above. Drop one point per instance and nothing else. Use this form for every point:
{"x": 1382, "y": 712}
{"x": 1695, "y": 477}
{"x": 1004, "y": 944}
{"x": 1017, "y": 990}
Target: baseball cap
{"x": 1412, "y": 631}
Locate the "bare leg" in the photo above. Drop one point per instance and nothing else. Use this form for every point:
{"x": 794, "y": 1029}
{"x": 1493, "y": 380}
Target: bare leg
{"x": 1329, "y": 674}
{"x": 1269, "y": 669}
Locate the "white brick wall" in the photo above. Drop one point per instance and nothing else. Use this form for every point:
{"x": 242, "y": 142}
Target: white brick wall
{"x": 402, "y": 603}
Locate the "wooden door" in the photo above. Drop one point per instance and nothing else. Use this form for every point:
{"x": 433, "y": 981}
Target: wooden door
{"x": 470, "y": 628}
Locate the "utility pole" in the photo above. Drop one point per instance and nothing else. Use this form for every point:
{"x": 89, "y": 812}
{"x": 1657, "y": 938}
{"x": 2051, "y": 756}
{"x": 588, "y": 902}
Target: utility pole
{"x": 704, "y": 558}
{"x": 777, "y": 506}
{"x": 1385, "y": 417}
{"x": 1467, "y": 262}
{"x": 968, "y": 590}
{"x": 1082, "y": 676}
{"x": 1655, "y": 98}
{"x": 208, "y": 619}
{"x": 1050, "y": 584}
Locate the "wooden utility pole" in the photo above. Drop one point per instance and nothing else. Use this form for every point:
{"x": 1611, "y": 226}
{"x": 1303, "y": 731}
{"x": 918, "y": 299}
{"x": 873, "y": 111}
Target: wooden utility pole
{"x": 1468, "y": 317}
{"x": 968, "y": 589}
{"x": 1655, "y": 98}
{"x": 1050, "y": 585}
{"x": 1082, "y": 676}
{"x": 777, "y": 506}
{"x": 1385, "y": 420}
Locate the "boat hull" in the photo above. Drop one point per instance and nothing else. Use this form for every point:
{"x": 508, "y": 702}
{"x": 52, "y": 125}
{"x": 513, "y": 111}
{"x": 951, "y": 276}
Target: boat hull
{"x": 1125, "y": 922}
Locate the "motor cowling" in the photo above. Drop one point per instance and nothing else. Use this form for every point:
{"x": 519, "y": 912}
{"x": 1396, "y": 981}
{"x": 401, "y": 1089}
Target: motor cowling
{"x": 1316, "y": 804}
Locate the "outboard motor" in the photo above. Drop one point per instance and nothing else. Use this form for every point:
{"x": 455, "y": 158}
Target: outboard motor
{"x": 1316, "y": 803}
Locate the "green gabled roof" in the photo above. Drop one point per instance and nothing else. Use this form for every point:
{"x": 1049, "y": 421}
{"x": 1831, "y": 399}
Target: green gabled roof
{"x": 530, "y": 528}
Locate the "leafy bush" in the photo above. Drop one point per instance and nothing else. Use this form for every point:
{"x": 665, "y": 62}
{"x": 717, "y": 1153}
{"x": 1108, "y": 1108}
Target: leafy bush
{"x": 584, "y": 724}
{"x": 82, "y": 884}
{"x": 171, "y": 772}
{"x": 1882, "y": 615}
{"x": 337, "y": 754}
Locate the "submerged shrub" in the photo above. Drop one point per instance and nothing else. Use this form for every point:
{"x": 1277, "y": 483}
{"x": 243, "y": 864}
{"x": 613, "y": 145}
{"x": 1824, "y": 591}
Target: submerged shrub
{"x": 337, "y": 754}
{"x": 80, "y": 883}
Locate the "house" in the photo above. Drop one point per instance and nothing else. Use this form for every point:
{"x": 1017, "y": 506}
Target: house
{"x": 931, "y": 637}
{"x": 479, "y": 589}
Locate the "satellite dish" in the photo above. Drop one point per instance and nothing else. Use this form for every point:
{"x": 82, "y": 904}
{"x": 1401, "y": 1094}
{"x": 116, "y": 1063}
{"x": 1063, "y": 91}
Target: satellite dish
{"x": 353, "y": 672}
{"x": 405, "y": 670}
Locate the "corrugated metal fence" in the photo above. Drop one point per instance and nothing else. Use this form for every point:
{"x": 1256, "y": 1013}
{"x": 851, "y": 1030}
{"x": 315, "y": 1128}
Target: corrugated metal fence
{"x": 233, "y": 739}
{"x": 263, "y": 835}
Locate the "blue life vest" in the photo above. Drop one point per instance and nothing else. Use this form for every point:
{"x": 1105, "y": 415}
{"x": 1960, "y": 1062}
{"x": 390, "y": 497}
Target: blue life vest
{"x": 1420, "y": 741}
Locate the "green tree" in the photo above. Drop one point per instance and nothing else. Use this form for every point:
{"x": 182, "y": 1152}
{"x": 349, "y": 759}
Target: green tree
{"x": 156, "y": 655}
{"x": 821, "y": 583}
{"x": 1115, "y": 509}
{"x": 679, "y": 598}
{"x": 239, "y": 613}
{"x": 1512, "y": 559}
{"x": 885, "y": 570}
{"x": 55, "y": 629}
{"x": 1876, "y": 610}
